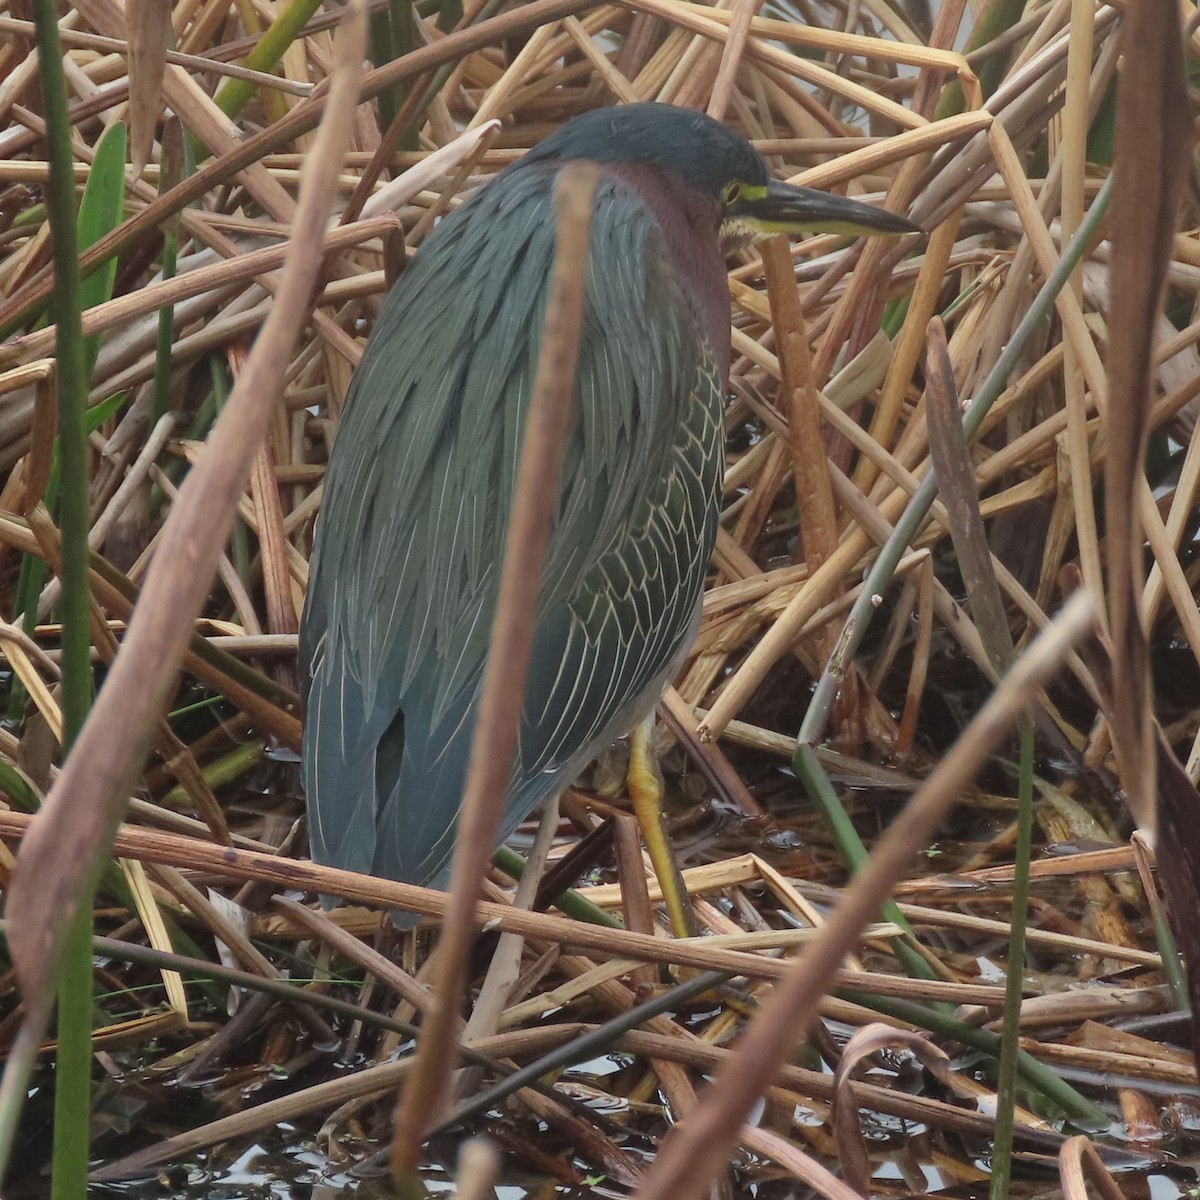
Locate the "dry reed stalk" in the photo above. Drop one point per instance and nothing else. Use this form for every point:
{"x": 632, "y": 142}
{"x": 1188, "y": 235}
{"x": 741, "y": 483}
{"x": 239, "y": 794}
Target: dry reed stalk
{"x": 742, "y": 16}
{"x": 504, "y": 970}
{"x": 496, "y": 727}
{"x": 632, "y": 892}
{"x": 238, "y": 269}
{"x": 174, "y": 753}
{"x": 299, "y": 120}
{"x": 956, "y": 483}
{"x": 149, "y": 33}
{"x": 1151, "y": 162}
{"x": 782, "y": 635}
{"x": 810, "y": 468}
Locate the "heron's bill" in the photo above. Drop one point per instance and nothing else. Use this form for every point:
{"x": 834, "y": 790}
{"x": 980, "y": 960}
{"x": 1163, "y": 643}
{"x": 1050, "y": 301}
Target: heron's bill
{"x": 782, "y": 208}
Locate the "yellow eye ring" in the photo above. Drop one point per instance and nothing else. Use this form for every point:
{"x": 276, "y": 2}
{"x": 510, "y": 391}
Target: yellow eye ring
{"x": 732, "y": 192}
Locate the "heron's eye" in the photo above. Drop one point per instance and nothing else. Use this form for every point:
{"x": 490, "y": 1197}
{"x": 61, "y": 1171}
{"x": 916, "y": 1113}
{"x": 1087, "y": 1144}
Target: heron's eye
{"x": 732, "y": 192}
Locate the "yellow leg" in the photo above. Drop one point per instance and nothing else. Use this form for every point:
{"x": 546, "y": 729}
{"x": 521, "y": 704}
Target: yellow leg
{"x": 646, "y": 792}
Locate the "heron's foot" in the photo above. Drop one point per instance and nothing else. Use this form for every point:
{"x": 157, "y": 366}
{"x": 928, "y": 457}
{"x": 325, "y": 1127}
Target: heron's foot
{"x": 646, "y": 792}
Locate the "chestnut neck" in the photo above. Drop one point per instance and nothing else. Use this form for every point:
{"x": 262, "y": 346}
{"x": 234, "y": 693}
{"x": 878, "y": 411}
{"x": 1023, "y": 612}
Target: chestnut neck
{"x": 691, "y": 227}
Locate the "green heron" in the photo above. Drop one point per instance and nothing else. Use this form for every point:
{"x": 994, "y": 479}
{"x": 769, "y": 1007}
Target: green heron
{"x": 407, "y": 561}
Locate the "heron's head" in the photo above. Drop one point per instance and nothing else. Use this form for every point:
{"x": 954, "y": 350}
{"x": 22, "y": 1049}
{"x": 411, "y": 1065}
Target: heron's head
{"x": 719, "y": 164}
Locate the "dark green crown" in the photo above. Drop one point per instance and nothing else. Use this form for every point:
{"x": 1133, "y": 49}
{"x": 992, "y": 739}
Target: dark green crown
{"x": 701, "y": 151}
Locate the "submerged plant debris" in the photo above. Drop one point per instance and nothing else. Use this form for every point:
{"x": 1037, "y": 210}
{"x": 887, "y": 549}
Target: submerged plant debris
{"x": 992, "y": 127}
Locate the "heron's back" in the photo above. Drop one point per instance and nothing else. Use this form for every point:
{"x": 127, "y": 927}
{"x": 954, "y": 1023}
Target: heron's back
{"x": 404, "y": 576}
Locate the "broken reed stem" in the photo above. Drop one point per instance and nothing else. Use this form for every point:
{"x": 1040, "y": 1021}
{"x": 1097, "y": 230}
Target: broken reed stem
{"x": 845, "y": 1116}
{"x": 1079, "y": 1161}
{"x": 696, "y": 1149}
{"x": 63, "y": 851}
{"x": 956, "y": 482}
{"x": 802, "y": 407}
{"x": 150, "y": 32}
{"x": 743, "y": 12}
{"x": 497, "y": 724}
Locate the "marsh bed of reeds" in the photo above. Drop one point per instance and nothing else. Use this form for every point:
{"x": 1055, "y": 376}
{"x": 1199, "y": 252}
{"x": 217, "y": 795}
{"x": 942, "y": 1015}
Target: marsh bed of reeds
{"x": 265, "y": 1057}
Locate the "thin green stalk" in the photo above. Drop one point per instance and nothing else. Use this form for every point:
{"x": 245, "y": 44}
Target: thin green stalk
{"x": 450, "y": 15}
{"x": 1164, "y": 938}
{"x": 99, "y": 212}
{"x": 392, "y": 38}
{"x": 31, "y": 577}
{"x": 73, "y": 1064}
{"x": 854, "y": 853}
{"x": 234, "y": 94}
{"x": 221, "y": 660}
{"x": 1036, "y": 1075}
{"x": 404, "y": 41}
{"x": 601, "y": 1040}
{"x": 997, "y": 18}
{"x": 288, "y": 992}
{"x": 570, "y": 903}
{"x": 301, "y": 119}
{"x": 408, "y": 136}
{"x": 1006, "y": 1077}
{"x": 72, "y": 1100}
{"x": 383, "y": 51}
{"x": 219, "y": 772}
{"x": 22, "y": 794}
{"x": 1169, "y": 952}
{"x": 804, "y": 760}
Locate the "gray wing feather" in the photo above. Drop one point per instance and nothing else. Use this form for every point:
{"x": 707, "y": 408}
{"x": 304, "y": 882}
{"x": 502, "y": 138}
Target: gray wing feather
{"x": 404, "y": 576}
